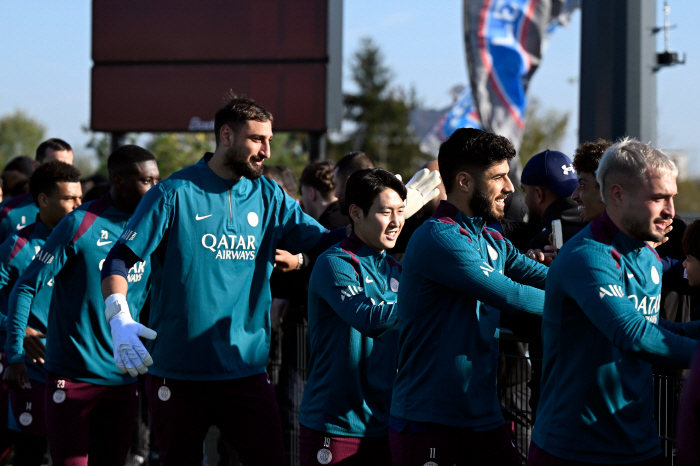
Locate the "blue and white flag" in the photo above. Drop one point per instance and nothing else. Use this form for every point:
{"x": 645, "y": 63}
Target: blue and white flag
{"x": 504, "y": 43}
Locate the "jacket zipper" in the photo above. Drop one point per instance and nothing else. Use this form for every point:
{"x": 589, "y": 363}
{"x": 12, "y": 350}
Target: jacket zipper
{"x": 230, "y": 208}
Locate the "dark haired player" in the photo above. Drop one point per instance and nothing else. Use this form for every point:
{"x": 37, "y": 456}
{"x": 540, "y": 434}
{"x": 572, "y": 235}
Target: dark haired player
{"x": 444, "y": 407}
{"x": 55, "y": 188}
{"x": 352, "y": 294}
{"x": 19, "y": 211}
{"x": 90, "y": 404}
{"x": 601, "y": 330}
{"x": 211, "y": 231}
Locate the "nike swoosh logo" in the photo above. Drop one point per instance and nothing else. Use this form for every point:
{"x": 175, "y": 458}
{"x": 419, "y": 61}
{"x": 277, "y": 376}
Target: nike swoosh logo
{"x": 19, "y": 227}
{"x": 102, "y": 243}
{"x": 197, "y": 217}
{"x": 368, "y": 280}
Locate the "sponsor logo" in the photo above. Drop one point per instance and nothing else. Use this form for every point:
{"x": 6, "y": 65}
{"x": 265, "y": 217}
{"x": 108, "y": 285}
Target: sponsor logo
{"x": 567, "y": 169}
{"x": 630, "y": 275}
{"x": 44, "y": 257}
{"x": 230, "y": 246}
{"x": 164, "y": 393}
{"x": 104, "y": 235}
{"x": 253, "y": 219}
{"x": 25, "y": 419}
{"x": 648, "y": 306}
{"x": 368, "y": 280}
{"x": 59, "y": 396}
{"x": 23, "y": 223}
{"x": 324, "y": 456}
{"x": 50, "y": 282}
{"x": 492, "y": 252}
{"x": 19, "y": 227}
{"x": 487, "y": 269}
{"x": 394, "y": 285}
{"x": 613, "y": 290}
{"x": 198, "y": 218}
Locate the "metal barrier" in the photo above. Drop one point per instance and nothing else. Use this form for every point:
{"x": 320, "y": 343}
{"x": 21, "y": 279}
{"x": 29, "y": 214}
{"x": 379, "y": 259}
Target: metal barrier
{"x": 516, "y": 396}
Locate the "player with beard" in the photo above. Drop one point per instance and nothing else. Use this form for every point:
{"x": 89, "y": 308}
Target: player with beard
{"x": 601, "y": 330}
{"x": 444, "y": 408}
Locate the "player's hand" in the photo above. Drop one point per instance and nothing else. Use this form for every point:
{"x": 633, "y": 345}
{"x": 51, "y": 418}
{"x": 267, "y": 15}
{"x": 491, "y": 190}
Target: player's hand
{"x": 129, "y": 353}
{"x": 285, "y": 261}
{"x": 16, "y": 376}
{"x": 34, "y": 348}
{"x": 543, "y": 257}
{"x": 666, "y": 232}
{"x": 422, "y": 188}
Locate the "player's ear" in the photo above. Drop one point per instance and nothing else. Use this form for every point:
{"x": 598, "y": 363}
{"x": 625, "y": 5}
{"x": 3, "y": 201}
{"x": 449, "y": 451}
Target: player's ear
{"x": 226, "y": 135}
{"x": 465, "y": 182}
{"x": 539, "y": 194}
{"x": 617, "y": 193}
{"x": 355, "y": 212}
{"x": 42, "y": 200}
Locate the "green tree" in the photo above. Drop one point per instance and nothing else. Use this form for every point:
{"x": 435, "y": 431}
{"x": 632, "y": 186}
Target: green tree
{"x": 688, "y": 199}
{"x": 290, "y": 150}
{"x": 542, "y": 131}
{"x": 19, "y": 135}
{"x": 174, "y": 151}
{"x": 380, "y": 115}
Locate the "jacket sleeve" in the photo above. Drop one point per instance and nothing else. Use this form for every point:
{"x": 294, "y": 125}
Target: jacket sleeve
{"x": 338, "y": 283}
{"x": 453, "y": 261}
{"x": 597, "y": 286}
{"x": 47, "y": 263}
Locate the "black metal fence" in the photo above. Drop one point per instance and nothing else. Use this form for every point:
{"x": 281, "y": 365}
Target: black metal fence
{"x": 517, "y": 390}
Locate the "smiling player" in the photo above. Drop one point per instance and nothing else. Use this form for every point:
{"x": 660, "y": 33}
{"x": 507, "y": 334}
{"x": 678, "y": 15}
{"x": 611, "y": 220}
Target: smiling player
{"x": 601, "y": 330}
{"x": 352, "y": 294}
{"x": 444, "y": 407}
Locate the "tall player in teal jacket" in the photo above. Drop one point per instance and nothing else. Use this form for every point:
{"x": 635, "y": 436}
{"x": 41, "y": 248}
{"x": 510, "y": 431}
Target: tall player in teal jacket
{"x": 457, "y": 275}
{"x": 55, "y": 187}
{"x": 601, "y": 330}
{"x": 91, "y": 408}
{"x": 211, "y": 231}
{"x": 353, "y": 342}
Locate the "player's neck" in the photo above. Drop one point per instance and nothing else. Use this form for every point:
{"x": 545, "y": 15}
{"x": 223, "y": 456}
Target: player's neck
{"x": 460, "y": 201}
{"x": 216, "y": 164}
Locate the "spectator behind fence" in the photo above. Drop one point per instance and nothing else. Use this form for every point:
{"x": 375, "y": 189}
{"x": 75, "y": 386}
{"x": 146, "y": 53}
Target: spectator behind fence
{"x": 346, "y": 166}
{"x": 548, "y": 180}
{"x": 444, "y": 407}
{"x": 318, "y": 197}
{"x": 601, "y": 329}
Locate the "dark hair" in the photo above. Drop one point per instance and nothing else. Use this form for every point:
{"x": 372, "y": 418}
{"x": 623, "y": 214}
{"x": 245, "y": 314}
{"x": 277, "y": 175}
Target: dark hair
{"x": 22, "y": 164}
{"x": 365, "y": 185}
{"x": 45, "y": 177}
{"x": 353, "y": 161}
{"x": 236, "y": 111}
{"x": 283, "y": 176}
{"x": 124, "y": 159}
{"x": 691, "y": 239}
{"x": 53, "y": 143}
{"x": 471, "y": 149}
{"x": 318, "y": 175}
{"x": 588, "y": 155}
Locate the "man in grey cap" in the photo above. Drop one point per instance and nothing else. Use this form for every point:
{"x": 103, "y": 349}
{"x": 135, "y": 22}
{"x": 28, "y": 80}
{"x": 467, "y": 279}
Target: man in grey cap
{"x": 548, "y": 180}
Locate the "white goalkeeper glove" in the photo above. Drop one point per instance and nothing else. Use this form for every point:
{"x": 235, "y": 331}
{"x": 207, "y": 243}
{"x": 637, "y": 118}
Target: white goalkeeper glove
{"x": 129, "y": 353}
{"x": 422, "y": 189}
